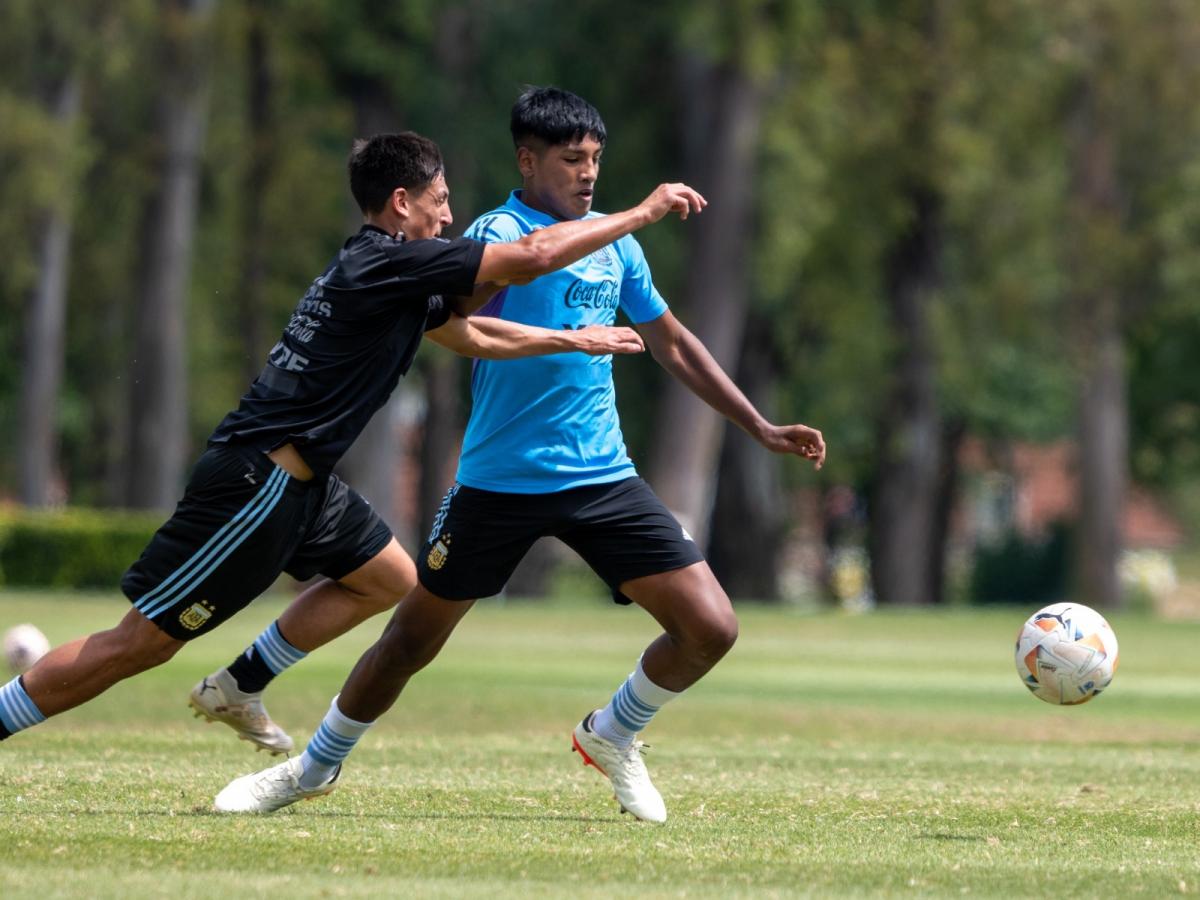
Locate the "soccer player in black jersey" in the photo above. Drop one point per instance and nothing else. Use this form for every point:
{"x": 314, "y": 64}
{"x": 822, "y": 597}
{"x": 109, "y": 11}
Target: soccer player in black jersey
{"x": 262, "y": 499}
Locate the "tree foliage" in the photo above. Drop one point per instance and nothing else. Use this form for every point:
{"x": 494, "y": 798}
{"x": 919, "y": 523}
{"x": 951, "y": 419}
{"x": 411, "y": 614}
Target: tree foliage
{"x": 864, "y": 105}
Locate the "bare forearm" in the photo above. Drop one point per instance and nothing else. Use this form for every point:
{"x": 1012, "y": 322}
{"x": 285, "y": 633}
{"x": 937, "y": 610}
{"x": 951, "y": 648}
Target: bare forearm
{"x": 548, "y": 249}
{"x": 484, "y": 337}
{"x": 565, "y": 242}
{"x": 681, "y": 353}
{"x": 500, "y": 339}
{"x": 689, "y": 361}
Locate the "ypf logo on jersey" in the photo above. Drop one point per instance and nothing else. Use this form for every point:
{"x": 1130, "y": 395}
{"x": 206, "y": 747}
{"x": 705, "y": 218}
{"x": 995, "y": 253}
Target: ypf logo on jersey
{"x": 196, "y": 615}
{"x": 438, "y": 553}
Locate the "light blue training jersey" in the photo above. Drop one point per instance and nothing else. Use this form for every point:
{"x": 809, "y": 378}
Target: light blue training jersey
{"x": 549, "y": 423}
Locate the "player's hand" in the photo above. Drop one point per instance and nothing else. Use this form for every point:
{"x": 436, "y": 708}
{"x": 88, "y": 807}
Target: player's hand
{"x": 600, "y": 340}
{"x": 676, "y": 198}
{"x": 797, "y": 439}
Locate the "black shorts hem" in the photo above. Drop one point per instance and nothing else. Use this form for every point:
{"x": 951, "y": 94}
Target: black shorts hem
{"x": 453, "y": 599}
{"x": 674, "y": 566}
{"x": 379, "y": 538}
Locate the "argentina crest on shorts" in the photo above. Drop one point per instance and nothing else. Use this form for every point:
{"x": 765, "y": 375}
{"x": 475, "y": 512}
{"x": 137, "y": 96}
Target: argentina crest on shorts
{"x": 438, "y": 553}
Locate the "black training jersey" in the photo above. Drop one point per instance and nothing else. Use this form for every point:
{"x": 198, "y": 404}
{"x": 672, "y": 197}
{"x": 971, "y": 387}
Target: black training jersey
{"x": 350, "y": 339}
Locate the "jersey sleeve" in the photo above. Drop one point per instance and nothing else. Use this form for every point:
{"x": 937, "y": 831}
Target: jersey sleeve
{"x": 436, "y": 266}
{"x": 437, "y": 313}
{"x": 496, "y": 228}
{"x": 640, "y": 299}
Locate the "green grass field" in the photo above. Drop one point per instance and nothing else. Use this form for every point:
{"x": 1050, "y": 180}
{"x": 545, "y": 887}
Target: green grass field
{"x": 889, "y": 755}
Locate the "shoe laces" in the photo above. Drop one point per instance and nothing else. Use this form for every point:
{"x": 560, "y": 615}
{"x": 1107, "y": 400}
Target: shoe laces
{"x": 631, "y": 759}
{"x": 274, "y": 783}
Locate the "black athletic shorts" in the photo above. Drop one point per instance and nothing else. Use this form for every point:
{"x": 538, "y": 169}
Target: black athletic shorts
{"x": 621, "y": 529}
{"x": 241, "y": 522}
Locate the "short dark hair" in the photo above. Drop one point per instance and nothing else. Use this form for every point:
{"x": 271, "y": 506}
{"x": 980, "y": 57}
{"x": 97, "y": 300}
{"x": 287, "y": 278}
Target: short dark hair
{"x": 554, "y": 116}
{"x": 388, "y": 161}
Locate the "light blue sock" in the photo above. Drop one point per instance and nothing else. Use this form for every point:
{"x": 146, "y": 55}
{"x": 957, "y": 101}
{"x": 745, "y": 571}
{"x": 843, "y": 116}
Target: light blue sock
{"x": 631, "y": 708}
{"x": 259, "y": 663}
{"x": 17, "y": 709}
{"x": 275, "y": 651}
{"x": 329, "y": 746}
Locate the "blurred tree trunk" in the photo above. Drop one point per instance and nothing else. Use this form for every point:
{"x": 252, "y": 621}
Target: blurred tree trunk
{"x": 159, "y": 392}
{"x": 904, "y": 499}
{"x": 263, "y": 152}
{"x": 724, "y": 104}
{"x": 1103, "y": 414}
{"x": 953, "y": 433}
{"x": 750, "y": 516}
{"x": 45, "y": 325}
{"x": 903, "y": 502}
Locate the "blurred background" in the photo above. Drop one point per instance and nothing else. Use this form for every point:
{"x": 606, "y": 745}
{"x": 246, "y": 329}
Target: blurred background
{"x": 958, "y": 237}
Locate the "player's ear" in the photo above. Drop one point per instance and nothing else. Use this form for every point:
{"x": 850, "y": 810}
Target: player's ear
{"x": 399, "y": 202}
{"x": 525, "y": 161}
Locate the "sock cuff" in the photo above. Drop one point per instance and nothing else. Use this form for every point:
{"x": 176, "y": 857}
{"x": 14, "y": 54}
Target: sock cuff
{"x": 17, "y": 709}
{"x": 647, "y": 691}
{"x": 274, "y": 650}
{"x": 342, "y": 724}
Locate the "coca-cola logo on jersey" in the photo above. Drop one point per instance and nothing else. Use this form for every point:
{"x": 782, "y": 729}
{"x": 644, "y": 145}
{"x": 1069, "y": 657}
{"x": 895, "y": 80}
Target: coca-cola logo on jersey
{"x": 582, "y": 294}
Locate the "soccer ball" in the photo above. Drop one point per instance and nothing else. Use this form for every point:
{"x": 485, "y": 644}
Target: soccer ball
{"x": 23, "y": 646}
{"x": 1066, "y": 653}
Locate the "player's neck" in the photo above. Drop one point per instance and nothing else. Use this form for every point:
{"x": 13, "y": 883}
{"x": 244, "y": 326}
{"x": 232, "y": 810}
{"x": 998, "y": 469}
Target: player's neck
{"x": 530, "y": 197}
{"x": 385, "y": 221}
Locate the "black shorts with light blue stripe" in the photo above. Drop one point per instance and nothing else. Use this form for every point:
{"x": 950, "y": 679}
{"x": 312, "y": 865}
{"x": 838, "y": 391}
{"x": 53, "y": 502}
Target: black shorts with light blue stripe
{"x": 241, "y": 523}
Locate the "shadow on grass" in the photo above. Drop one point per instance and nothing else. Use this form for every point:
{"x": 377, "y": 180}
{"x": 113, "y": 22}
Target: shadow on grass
{"x": 452, "y": 817}
{"x": 942, "y": 836}
{"x": 205, "y": 813}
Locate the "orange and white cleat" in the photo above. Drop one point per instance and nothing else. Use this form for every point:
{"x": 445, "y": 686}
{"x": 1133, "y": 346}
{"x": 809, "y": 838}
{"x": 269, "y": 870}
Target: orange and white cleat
{"x": 624, "y": 768}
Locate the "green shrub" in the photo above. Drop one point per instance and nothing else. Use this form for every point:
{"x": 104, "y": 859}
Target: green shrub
{"x": 1021, "y": 570}
{"x": 73, "y": 548}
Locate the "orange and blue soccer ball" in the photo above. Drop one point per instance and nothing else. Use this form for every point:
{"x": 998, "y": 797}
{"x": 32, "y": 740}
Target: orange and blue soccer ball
{"x": 1066, "y": 653}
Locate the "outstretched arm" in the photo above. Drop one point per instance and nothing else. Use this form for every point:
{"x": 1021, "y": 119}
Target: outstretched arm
{"x": 680, "y": 352}
{"x": 551, "y": 248}
{"x": 485, "y": 337}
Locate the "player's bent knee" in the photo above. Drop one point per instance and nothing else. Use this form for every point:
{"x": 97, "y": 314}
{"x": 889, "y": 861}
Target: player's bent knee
{"x": 382, "y": 582}
{"x": 148, "y": 654}
{"x": 139, "y": 644}
{"x": 717, "y": 636}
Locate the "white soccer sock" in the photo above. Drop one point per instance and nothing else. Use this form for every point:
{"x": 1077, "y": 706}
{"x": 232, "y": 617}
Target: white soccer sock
{"x": 631, "y": 708}
{"x": 332, "y": 743}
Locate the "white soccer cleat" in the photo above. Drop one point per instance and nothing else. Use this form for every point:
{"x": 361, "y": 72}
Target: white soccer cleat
{"x": 624, "y": 768}
{"x": 270, "y": 789}
{"x": 218, "y": 699}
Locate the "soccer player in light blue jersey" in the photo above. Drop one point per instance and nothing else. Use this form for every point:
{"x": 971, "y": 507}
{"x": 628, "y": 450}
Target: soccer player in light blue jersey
{"x": 544, "y": 455}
